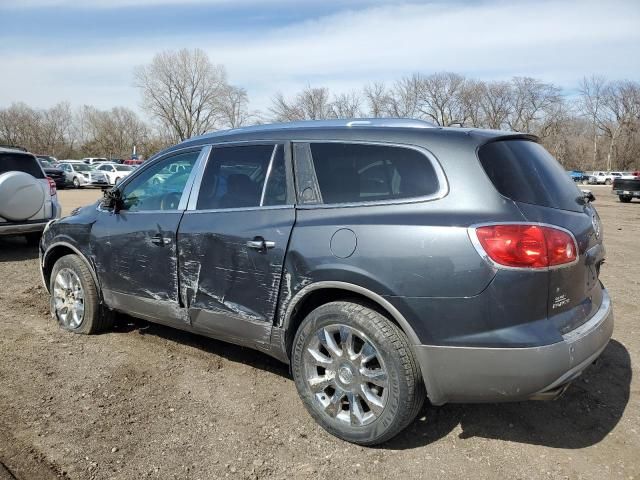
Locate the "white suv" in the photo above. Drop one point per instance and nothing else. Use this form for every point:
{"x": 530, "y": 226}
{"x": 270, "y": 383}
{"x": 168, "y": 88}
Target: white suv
{"x": 28, "y": 198}
{"x": 114, "y": 172}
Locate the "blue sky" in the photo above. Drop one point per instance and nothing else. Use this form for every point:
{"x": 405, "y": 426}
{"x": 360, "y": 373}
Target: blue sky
{"x": 55, "y": 50}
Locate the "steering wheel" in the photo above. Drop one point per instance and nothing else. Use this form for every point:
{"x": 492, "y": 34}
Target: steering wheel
{"x": 170, "y": 201}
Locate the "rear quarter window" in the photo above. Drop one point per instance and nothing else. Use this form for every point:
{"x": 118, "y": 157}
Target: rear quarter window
{"x": 349, "y": 172}
{"x": 525, "y": 172}
{"x": 16, "y": 162}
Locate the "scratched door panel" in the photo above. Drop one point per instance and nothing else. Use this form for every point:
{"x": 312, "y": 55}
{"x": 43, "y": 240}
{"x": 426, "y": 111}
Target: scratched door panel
{"x": 137, "y": 271}
{"x": 230, "y": 288}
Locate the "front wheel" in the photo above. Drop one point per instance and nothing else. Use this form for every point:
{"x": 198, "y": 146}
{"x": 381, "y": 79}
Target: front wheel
{"x": 625, "y": 198}
{"x": 607, "y": 181}
{"x": 76, "y": 182}
{"x": 356, "y": 374}
{"x": 585, "y": 181}
{"x": 74, "y": 297}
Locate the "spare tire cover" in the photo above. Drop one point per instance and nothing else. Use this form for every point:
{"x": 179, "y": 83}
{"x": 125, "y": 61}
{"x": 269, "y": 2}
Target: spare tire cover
{"x": 21, "y": 195}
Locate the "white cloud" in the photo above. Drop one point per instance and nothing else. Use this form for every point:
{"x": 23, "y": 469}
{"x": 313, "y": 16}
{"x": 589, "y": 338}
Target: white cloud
{"x": 557, "y": 41}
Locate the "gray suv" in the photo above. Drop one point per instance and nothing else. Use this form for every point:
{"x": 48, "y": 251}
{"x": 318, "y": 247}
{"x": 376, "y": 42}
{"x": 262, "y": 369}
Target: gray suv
{"x": 384, "y": 260}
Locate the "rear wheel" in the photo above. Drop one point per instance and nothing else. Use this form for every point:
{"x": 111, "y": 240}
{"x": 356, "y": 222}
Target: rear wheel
{"x": 607, "y": 181}
{"x": 74, "y": 297}
{"x": 355, "y": 373}
{"x": 625, "y": 198}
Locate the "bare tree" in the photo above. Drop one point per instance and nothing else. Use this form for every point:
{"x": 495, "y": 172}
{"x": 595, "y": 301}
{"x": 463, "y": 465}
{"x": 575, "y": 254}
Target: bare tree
{"x": 233, "y": 106}
{"x": 377, "y": 99}
{"x": 441, "y": 98}
{"x": 181, "y": 90}
{"x": 309, "y": 104}
{"x": 495, "y": 103}
{"x": 346, "y": 105}
{"x": 531, "y": 100}
{"x": 591, "y": 105}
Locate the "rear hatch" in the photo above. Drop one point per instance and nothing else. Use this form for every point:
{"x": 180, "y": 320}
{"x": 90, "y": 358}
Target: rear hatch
{"x": 523, "y": 171}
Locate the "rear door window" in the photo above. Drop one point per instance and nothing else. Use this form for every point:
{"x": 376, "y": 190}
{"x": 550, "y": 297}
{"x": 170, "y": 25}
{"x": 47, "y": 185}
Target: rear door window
{"x": 350, "y": 172}
{"x": 525, "y": 172}
{"x": 235, "y": 177}
{"x": 16, "y": 162}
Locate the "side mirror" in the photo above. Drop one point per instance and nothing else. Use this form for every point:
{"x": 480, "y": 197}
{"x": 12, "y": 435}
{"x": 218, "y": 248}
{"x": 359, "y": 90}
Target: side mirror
{"x": 588, "y": 196}
{"x": 113, "y": 200}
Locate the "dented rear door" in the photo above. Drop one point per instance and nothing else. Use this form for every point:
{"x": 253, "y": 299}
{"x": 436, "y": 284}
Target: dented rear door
{"x": 232, "y": 241}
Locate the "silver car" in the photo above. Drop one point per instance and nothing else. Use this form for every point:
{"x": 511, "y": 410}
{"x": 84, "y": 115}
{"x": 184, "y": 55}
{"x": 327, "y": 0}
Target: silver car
{"x": 80, "y": 174}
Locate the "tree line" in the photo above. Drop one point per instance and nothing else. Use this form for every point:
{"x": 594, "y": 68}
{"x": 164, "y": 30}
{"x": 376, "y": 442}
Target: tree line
{"x": 595, "y": 126}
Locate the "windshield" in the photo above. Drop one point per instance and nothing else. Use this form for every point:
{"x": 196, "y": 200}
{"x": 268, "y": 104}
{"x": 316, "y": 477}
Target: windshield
{"x": 123, "y": 168}
{"x": 45, "y": 164}
{"x": 82, "y": 168}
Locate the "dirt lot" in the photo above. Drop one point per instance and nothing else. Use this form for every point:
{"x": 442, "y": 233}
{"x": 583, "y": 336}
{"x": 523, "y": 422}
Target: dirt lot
{"x": 152, "y": 402}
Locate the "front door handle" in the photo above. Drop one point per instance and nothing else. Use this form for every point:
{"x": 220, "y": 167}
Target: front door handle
{"x": 160, "y": 240}
{"x": 260, "y": 243}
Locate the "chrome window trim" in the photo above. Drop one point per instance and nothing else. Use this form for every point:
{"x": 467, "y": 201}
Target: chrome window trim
{"x": 242, "y": 209}
{"x": 268, "y": 174}
{"x": 473, "y": 236}
{"x": 443, "y": 184}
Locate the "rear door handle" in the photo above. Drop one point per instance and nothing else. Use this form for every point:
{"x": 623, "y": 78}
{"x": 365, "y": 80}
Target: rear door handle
{"x": 260, "y": 243}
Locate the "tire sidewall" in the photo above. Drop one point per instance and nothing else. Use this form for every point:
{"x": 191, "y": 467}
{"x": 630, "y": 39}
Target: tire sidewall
{"x": 331, "y": 314}
{"x": 72, "y": 262}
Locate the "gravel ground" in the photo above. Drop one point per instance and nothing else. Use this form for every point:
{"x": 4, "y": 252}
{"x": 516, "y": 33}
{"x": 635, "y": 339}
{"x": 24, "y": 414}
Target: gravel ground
{"x": 147, "y": 401}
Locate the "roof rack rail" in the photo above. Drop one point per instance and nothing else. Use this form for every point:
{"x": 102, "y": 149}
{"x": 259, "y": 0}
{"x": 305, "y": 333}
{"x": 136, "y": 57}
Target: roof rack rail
{"x": 348, "y": 122}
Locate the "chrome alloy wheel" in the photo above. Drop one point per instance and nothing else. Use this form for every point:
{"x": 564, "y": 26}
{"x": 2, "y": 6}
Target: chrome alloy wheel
{"x": 346, "y": 375}
{"x": 68, "y": 298}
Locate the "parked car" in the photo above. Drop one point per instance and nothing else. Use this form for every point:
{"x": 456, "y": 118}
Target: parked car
{"x": 28, "y": 198}
{"x": 133, "y": 162}
{"x": 627, "y": 188}
{"x": 92, "y": 160}
{"x": 602, "y": 177}
{"x": 48, "y": 158}
{"x": 79, "y": 174}
{"x": 114, "y": 171}
{"x": 53, "y": 172}
{"x": 382, "y": 259}
{"x": 578, "y": 176}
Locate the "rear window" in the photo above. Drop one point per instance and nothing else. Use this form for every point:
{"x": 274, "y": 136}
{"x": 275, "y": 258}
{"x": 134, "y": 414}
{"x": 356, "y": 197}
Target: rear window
{"x": 15, "y": 162}
{"x": 525, "y": 172}
{"x": 350, "y": 173}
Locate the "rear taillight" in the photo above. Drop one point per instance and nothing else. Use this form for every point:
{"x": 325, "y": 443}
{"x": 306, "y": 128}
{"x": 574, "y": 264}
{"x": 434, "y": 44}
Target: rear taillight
{"x": 52, "y": 186}
{"x": 525, "y": 246}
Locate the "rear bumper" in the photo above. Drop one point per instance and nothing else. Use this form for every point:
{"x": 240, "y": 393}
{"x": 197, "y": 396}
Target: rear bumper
{"x": 630, "y": 193}
{"x": 476, "y": 374}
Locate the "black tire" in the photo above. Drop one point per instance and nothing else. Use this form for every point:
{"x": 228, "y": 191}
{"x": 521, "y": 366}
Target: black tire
{"x": 96, "y": 319}
{"x": 585, "y": 181}
{"x": 406, "y": 392}
{"x": 76, "y": 182}
{"x": 625, "y": 198}
{"x": 33, "y": 239}
{"x": 607, "y": 181}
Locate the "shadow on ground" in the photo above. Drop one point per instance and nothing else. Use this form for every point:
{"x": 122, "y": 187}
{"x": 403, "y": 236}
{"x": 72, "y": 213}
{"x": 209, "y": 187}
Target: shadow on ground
{"x": 583, "y": 416}
{"x": 15, "y": 249}
{"x": 588, "y": 411}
